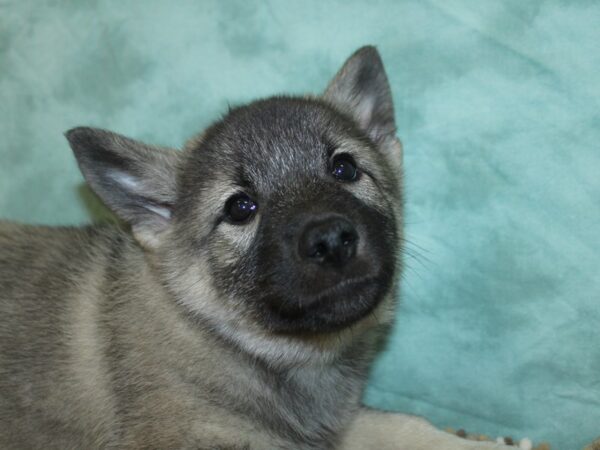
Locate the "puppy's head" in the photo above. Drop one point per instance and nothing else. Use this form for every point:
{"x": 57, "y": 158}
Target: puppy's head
{"x": 279, "y": 225}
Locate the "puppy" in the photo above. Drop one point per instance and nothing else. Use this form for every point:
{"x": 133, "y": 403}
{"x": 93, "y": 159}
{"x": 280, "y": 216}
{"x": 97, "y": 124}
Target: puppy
{"x": 241, "y": 306}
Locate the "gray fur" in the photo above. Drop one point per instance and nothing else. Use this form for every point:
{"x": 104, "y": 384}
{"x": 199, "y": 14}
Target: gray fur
{"x": 159, "y": 337}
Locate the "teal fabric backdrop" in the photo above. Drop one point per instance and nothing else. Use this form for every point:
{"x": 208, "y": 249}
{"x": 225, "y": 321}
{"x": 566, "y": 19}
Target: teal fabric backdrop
{"x": 498, "y": 104}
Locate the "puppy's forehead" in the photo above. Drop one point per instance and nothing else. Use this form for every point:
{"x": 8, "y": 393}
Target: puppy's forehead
{"x": 275, "y": 141}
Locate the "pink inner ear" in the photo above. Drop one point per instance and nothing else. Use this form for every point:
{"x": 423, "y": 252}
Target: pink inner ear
{"x": 160, "y": 210}
{"x": 364, "y": 112}
{"x": 123, "y": 179}
{"x": 132, "y": 184}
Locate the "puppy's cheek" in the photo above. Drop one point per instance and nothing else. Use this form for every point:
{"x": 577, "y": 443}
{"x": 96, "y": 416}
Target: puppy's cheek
{"x": 366, "y": 191}
{"x": 232, "y": 242}
{"x": 230, "y": 260}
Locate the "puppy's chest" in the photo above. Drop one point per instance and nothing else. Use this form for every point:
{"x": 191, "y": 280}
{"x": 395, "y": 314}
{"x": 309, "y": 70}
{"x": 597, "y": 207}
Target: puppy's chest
{"x": 307, "y": 407}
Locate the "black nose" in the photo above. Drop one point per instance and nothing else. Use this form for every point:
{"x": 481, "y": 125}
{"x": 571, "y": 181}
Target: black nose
{"x": 330, "y": 241}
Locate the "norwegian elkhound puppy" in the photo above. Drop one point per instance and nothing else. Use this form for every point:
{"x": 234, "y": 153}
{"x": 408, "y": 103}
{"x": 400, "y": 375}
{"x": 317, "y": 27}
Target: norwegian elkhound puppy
{"x": 241, "y": 310}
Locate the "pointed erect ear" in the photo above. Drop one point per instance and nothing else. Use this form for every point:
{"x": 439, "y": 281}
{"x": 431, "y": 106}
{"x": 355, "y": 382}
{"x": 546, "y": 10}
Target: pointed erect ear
{"x": 135, "y": 180}
{"x": 361, "y": 90}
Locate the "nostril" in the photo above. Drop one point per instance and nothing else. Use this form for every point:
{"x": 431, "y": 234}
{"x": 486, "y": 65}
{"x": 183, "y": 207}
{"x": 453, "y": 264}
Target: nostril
{"x": 347, "y": 238}
{"x": 319, "y": 250}
{"x": 329, "y": 241}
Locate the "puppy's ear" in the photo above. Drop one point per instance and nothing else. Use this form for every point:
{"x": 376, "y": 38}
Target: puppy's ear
{"x": 137, "y": 181}
{"x": 361, "y": 90}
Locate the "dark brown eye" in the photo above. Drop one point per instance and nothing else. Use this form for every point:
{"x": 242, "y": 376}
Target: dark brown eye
{"x": 344, "y": 168}
{"x": 240, "y": 208}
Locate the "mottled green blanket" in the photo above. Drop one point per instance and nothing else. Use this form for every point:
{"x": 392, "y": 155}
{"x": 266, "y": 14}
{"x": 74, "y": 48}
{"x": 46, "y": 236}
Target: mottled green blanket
{"x": 498, "y": 104}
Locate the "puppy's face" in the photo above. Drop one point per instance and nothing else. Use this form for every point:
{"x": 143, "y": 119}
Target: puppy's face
{"x": 297, "y": 212}
{"x": 280, "y": 223}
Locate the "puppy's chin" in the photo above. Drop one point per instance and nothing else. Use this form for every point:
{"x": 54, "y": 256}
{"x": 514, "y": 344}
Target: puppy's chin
{"x": 329, "y": 311}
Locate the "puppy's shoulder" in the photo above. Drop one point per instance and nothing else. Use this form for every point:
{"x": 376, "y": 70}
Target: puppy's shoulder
{"x": 29, "y": 252}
